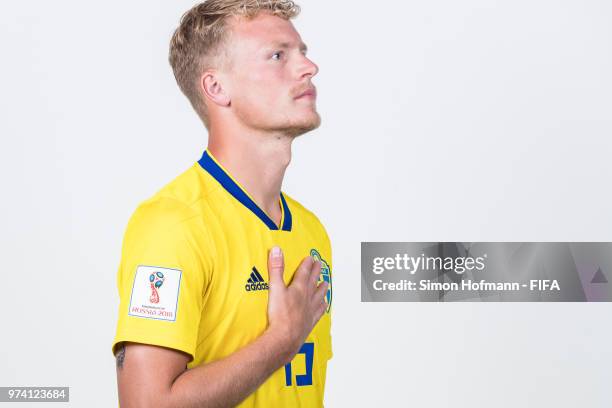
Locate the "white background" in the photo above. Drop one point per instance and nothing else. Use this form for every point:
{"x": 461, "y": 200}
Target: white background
{"x": 442, "y": 121}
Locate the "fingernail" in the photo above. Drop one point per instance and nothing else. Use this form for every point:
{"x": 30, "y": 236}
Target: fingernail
{"x": 276, "y": 252}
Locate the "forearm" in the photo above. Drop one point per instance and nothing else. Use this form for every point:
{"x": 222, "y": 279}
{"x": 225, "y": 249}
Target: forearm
{"x": 228, "y": 381}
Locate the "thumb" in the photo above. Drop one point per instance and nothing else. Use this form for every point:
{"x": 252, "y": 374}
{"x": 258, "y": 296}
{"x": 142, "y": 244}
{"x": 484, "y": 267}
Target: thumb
{"x": 276, "y": 268}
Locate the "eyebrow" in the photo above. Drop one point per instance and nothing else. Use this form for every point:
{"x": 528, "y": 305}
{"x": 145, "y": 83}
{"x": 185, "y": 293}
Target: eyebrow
{"x": 286, "y": 45}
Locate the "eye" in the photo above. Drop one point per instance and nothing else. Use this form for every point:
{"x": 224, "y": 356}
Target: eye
{"x": 277, "y": 55}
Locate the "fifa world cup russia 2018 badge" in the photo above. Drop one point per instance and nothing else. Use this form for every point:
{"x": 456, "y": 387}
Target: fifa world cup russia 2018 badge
{"x": 157, "y": 280}
{"x": 324, "y": 276}
{"x": 155, "y": 293}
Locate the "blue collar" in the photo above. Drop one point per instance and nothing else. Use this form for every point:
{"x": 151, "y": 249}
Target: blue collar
{"x": 209, "y": 164}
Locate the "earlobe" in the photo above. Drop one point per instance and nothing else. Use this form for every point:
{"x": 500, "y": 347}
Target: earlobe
{"x": 211, "y": 85}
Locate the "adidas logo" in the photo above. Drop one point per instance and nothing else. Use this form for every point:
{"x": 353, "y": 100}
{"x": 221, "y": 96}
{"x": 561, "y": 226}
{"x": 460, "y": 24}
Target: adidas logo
{"x": 255, "y": 282}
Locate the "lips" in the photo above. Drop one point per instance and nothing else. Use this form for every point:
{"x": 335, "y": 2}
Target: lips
{"x": 308, "y": 92}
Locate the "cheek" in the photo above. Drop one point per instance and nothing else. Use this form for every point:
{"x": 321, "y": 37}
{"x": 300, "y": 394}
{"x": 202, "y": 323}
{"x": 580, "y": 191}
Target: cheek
{"x": 252, "y": 99}
{"x": 265, "y": 82}
{"x": 253, "y": 103}
{"x": 258, "y": 95}
{"x": 260, "y": 90}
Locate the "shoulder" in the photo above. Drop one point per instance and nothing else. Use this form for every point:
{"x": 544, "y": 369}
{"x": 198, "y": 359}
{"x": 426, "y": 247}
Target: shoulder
{"x": 173, "y": 205}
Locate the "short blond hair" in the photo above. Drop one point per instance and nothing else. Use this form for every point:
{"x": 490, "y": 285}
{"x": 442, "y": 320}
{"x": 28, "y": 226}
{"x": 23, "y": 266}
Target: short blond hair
{"x": 196, "y": 44}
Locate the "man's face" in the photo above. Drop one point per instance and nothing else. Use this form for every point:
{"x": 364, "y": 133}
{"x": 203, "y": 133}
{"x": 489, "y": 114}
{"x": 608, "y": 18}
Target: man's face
{"x": 269, "y": 81}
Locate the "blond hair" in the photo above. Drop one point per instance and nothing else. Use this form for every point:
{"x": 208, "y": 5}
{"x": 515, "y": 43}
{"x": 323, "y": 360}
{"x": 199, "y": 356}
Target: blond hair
{"x": 196, "y": 44}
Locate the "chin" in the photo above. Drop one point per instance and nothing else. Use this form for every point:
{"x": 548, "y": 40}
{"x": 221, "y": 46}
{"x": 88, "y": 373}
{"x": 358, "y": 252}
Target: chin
{"x": 304, "y": 125}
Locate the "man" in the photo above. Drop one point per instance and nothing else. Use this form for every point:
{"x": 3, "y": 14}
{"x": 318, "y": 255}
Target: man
{"x": 225, "y": 281}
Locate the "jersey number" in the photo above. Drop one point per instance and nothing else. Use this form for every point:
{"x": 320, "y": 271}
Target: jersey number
{"x": 302, "y": 379}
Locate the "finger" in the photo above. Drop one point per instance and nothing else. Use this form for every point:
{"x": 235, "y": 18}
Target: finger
{"x": 321, "y": 292}
{"x": 303, "y": 271}
{"x": 320, "y": 311}
{"x": 315, "y": 272}
{"x": 276, "y": 268}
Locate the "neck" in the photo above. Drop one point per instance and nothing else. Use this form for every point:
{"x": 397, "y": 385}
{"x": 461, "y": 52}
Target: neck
{"x": 257, "y": 160}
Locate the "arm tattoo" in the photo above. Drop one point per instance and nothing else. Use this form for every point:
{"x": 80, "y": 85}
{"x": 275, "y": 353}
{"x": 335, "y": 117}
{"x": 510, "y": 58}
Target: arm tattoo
{"x": 120, "y": 355}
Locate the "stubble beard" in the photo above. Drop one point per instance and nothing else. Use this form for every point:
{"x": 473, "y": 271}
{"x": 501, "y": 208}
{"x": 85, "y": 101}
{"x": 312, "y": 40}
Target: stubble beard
{"x": 298, "y": 129}
{"x": 287, "y": 127}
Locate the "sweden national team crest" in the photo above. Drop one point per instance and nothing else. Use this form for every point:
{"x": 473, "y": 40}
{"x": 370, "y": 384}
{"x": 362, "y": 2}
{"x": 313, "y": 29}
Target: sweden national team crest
{"x": 324, "y": 276}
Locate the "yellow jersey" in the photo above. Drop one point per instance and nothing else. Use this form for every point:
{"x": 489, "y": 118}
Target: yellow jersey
{"x": 193, "y": 277}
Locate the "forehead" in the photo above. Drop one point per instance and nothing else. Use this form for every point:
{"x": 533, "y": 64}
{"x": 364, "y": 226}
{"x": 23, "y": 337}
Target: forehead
{"x": 263, "y": 30}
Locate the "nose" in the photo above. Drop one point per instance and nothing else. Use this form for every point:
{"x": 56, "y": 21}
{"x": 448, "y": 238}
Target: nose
{"x": 307, "y": 67}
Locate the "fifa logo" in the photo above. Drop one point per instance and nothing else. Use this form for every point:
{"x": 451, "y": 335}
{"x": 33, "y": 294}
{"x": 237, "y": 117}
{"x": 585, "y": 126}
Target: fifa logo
{"x": 157, "y": 280}
{"x": 324, "y": 276}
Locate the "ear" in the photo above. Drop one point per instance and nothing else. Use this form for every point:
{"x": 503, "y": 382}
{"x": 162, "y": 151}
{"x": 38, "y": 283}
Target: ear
{"x": 210, "y": 84}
